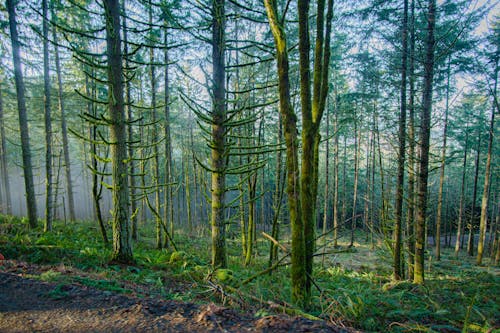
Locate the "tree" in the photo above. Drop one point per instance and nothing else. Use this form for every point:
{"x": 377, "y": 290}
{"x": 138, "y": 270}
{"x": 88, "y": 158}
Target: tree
{"x": 3, "y": 160}
{"x": 122, "y": 249}
{"x": 425, "y": 144}
{"x": 48, "y": 120}
{"x": 23, "y": 117}
{"x": 491, "y": 136}
{"x": 398, "y": 271}
{"x": 298, "y": 270}
{"x": 64, "y": 126}
{"x": 218, "y": 144}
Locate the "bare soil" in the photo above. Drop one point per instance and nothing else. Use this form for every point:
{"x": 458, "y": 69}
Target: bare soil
{"x": 30, "y": 305}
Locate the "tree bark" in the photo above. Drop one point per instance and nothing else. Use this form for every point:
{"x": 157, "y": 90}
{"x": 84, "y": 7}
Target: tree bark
{"x": 470, "y": 242}
{"x": 425, "y": 130}
{"x": 48, "y": 121}
{"x": 443, "y": 164}
{"x": 122, "y": 243}
{"x": 410, "y": 218}
{"x": 23, "y": 117}
{"x": 298, "y": 253}
{"x": 64, "y": 127}
{"x": 154, "y": 133}
{"x": 168, "y": 212}
{"x": 130, "y": 133}
{"x": 3, "y": 160}
{"x": 218, "y": 136}
{"x": 484, "y": 203}
{"x": 397, "y": 269}
{"x": 462, "y": 194}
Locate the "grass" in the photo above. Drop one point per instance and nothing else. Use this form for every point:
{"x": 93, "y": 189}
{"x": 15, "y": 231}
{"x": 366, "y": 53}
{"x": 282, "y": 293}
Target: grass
{"x": 354, "y": 286}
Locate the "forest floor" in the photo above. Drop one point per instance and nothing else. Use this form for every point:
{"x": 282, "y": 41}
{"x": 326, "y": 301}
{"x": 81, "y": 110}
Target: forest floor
{"x": 63, "y": 281}
{"x": 28, "y": 305}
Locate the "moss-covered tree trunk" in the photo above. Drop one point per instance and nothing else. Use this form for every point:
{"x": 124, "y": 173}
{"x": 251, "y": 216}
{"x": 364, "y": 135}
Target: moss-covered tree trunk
{"x": 397, "y": 271}
{"x": 298, "y": 272}
{"x": 442, "y": 168}
{"x": 425, "y": 130}
{"x": 218, "y": 144}
{"x": 410, "y": 214}
{"x": 23, "y": 117}
{"x": 122, "y": 243}
{"x": 484, "y": 202}
{"x": 47, "y": 120}
{"x": 130, "y": 133}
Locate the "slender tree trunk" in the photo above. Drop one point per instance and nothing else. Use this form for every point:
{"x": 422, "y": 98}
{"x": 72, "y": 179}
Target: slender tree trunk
{"x": 96, "y": 183}
{"x": 357, "y": 144}
{"x": 48, "y": 120}
{"x": 130, "y": 133}
{"x": 277, "y": 198}
{"x": 154, "y": 134}
{"x": 484, "y": 203}
{"x": 327, "y": 179}
{"x": 218, "y": 136}
{"x": 122, "y": 249}
{"x": 64, "y": 127}
{"x": 168, "y": 212}
{"x": 398, "y": 271}
{"x": 3, "y": 159}
{"x": 425, "y": 128}
{"x": 23, "y": 117}
{"x": 336, "y": 177}
{"x": 298, "y": 253}
{"x": 187, "y": 186}
{"x": 470, "y": 242}
{"x": 383, "y": 209}
{"x": 443, "y": 164}
{"x": 410, "y": 217}
{"x": 344, "y": 184}
{"x": 366, "y": 211}
{"x": 462, "y": 195}
{"x": 372, "y": 191}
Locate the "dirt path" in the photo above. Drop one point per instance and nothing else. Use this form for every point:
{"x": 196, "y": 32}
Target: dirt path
{"x": 28, "y": 305}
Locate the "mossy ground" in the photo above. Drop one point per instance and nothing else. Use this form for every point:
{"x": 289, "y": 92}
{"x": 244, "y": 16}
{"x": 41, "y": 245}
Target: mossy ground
{"x": 353, "y": 285}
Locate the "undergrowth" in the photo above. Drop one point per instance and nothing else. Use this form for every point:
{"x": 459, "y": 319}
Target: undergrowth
{"x": 353, "y": 286}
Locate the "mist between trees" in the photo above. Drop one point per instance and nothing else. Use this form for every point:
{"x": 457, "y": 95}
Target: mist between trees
{"x": 296, "y": 119}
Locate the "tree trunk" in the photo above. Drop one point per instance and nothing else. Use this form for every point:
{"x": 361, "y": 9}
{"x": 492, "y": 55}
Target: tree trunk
{"x": 218, "y": 136}
{"x": 298, "y": 271}
{"x": 410, "y": 218}
{"x": 484, "y": 203}
{"x": 336, "y": 177}
{"x": 425, "y": 130}
{"x": 122, "y": 249}
{"x": 327, "y": 179}
{"x": 96, "y": 183}
{"x": 168, "y": 212}
{"x": 398, "y": 271}
{"x": 23, "y": 117}
{"x": 48, "y": 121}
{"x": 462, "y": 194}
{"x": 443, "y": 164}
{"x": 130, "y": 133}
{"x": 3, "y": 160}
{"x": 470, "y": 242}
{"x": 64, "y": 127}
{"x": 277, "y": 198}
{"x": 357, "y": 144}
{"x": 154, "y": 133}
